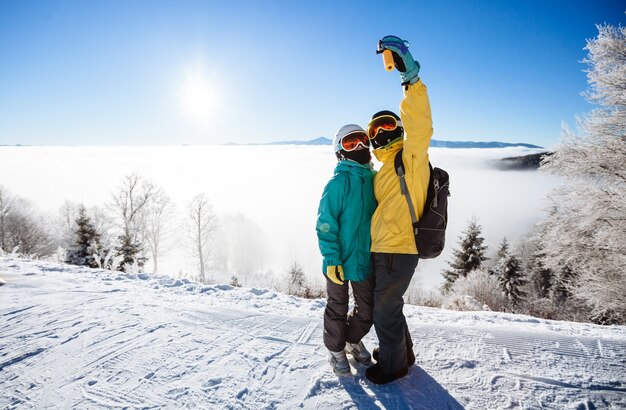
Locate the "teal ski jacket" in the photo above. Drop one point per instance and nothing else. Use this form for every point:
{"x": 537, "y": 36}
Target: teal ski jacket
{"x": 344, "y": 220}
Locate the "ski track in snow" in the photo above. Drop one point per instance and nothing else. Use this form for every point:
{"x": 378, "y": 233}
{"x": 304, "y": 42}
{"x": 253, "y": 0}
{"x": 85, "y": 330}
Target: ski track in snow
{"x": 72, "y": 337}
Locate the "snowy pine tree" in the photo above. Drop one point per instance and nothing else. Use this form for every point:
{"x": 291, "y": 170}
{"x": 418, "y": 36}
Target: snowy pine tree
{"x": 469, "y": 257}
{"x": 86, "y": 242}
{"x": 509, "y": 273}
{"x": 501, "y": 253}
{"x": 511, "y": 277}
{"x": 234, "y": 282}
{"x": 297, "y": 281}
{"x": 562, "y": 283}
{"x": 129, "y": 252}
{"x": 540, "y": 277}
{"x": 585, "y": 238}
{"x": 503, "y": 249}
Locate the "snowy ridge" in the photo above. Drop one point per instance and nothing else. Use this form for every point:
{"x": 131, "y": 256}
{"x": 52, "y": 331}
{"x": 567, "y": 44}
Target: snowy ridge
{"x": 433, "y": 143}
{"x": 78, "y": 337}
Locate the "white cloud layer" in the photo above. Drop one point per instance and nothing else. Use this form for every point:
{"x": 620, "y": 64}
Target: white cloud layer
{"x": 277, "y": 187}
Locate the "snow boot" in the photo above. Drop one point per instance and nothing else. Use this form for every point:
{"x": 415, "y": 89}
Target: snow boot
{"x": 359, "y": 352}
{"x": 339, "y": 363}
{"x": 377, "y": 375}
{"x": 410, "y": 356}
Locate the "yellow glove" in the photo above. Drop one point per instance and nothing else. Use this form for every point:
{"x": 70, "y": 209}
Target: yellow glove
{"x": 335, "y": 274}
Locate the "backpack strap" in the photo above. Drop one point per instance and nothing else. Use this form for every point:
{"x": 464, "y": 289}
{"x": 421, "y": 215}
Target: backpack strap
{"x": 399, "y": 166}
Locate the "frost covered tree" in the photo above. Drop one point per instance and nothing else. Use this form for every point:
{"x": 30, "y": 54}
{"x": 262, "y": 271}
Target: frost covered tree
{"x": 86, "y": 242}
{"x": 503, "y": 249}
{"x": 234, "y": 282}
{"x": 480, "y": 285}
{"x": 539, "y": 276}
{"x": 297, "y": 280}
{"x": 159, "y": 212}
{"x": 129, "y": 254}
{"x": 65, "y": 224}
{"x": 6, "y": 203}
{"x": 585, "y": 236}
{"x": 470, "y": 255}
{"x": 105, "y": 226}
{"x": 129, "y": 205}
{"x": 202, "y": 226}
{"x": 297, "y": 284}
{"x": 511, "y": 278}
{"x": 24, "y": 230}
{"x": 562, "y": 283}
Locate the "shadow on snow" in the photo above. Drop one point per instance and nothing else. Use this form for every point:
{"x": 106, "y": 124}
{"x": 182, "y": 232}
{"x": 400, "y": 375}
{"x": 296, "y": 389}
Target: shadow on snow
{"x": 416, "y": 391}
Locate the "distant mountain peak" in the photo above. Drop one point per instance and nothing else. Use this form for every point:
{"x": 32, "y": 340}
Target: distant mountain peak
{"x": 479, "y": 144}
{"x": 316, "y": 141}
{"x": 433, "y": 143}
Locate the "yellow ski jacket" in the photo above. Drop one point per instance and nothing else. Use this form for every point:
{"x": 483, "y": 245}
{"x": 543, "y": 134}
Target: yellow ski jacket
{"x": 391, "y": 224}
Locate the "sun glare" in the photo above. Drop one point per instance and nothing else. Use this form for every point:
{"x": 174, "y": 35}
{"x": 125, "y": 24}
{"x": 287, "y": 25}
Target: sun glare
{"x": 197, "y": 97}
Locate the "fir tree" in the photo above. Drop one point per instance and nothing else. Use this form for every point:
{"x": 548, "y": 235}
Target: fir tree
{"x": 511, "y": 278}
{"x": 540, "y": 276}
{"x": 469, "y": 257}
{"x": 503, "y": 250}
{"x": 86, "y": 242}
{"x": 130, "y": 252}
{"x": 560, "y": 291}
{"x": 297, "y": 281}
{"x": 234, "y": 282}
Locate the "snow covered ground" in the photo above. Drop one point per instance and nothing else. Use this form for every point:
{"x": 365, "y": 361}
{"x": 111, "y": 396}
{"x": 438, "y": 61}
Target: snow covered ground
{"x": 74, "y": 337}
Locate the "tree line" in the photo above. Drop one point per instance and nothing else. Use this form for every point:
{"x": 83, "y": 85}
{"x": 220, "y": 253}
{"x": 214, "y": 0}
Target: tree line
{"x": 577, "y": 266}
{"x": 140, "y": 223}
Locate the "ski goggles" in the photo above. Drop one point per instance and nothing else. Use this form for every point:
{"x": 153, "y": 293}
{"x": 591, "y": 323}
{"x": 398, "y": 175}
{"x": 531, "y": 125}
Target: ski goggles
{"x": 382, "y": 123}
{"x": 351, "y": 141}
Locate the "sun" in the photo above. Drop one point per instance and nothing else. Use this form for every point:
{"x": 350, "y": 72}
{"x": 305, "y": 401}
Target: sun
{"x": 197, "y": 96}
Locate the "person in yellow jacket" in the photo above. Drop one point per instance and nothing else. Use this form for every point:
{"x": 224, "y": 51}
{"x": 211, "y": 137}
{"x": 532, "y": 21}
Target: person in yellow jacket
{"x": 394, "y": 251}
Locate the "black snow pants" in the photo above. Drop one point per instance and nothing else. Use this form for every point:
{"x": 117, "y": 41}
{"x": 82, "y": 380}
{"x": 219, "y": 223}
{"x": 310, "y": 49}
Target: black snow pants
{"x": 339, "y": 325}
{"x": 393, "y": 272}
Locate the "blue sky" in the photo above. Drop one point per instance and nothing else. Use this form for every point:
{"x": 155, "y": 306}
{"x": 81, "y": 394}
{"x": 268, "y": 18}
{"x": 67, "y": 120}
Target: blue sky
{"x": 204, "y": 72}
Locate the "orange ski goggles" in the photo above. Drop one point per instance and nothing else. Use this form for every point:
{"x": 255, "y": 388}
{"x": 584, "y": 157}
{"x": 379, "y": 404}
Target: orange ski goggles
{"x": 351, "y": 141}
{"x": 382, "y": 123}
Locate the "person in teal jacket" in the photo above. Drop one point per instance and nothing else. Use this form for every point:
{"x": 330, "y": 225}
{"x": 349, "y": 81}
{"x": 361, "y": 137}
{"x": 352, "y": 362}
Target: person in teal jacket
{"x": 343, "y": 231}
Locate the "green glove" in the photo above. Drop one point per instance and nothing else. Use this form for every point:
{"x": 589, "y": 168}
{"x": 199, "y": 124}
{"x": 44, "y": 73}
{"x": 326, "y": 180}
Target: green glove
{"x": 406, "y": 65}
{"x": 335, "y": 274}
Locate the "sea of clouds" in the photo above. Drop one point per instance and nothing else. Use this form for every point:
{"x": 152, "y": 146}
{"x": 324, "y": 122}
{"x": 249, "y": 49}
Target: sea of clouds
{"x": 276, "y": 189}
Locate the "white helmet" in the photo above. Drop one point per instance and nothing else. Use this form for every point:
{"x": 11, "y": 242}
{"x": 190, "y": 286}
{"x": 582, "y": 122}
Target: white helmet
{"x": 342, "y": 132}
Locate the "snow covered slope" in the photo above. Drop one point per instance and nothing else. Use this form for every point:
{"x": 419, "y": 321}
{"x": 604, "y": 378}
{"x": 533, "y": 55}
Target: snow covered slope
{"x": 76, "y": 337}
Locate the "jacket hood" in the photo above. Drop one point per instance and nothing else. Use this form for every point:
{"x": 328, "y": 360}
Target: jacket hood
{"x": 386, "y": 153}
{"x": 353, "y": 166}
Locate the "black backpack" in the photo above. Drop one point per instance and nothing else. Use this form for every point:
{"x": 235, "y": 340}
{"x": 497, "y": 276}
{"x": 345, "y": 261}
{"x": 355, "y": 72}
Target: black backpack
{"x": 430, "y": 230}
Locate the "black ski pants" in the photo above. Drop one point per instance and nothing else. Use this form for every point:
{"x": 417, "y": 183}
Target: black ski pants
{"x": 339, "y": 325}
{"x": 393, "y": 272}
